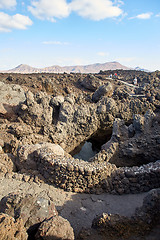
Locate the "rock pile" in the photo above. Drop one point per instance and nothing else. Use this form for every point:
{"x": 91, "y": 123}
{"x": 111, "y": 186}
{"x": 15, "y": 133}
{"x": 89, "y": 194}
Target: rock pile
{"x": 33, "y": 215}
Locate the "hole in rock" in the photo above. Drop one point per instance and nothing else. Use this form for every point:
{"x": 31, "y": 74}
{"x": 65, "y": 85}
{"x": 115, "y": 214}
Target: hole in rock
{"x": 92, "y": 146}
{"x": 130, "y": 161}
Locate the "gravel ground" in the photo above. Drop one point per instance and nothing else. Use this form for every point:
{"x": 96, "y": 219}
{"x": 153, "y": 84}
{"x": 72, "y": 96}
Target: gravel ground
{"x": 80, "y": 209}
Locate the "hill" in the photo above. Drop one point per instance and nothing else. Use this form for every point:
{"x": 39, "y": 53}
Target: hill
{"x": 92, "y": 68}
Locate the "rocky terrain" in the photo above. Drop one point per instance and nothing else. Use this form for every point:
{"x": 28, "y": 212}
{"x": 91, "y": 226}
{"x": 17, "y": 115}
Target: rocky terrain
{"x": 48, "y": 190}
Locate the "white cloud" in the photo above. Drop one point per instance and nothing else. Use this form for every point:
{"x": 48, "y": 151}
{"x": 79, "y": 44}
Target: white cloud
{"x": 143, "y": 16}
{"x": 102, "y": 54}
{"x": 55, "y": 43}
{"x": 119, "y": 2}
{"x": 49, "y": 10}
{"x": 158, "y": 15}
{"x": 18, "y": 21}
{"x": 95, "y": 9}
{"x": 7, "y": 3}
{"x": 92, "y": 9}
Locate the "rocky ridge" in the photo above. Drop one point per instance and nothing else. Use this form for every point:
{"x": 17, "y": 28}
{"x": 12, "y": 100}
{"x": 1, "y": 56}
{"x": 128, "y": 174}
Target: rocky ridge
{"x": 92, "y": 68}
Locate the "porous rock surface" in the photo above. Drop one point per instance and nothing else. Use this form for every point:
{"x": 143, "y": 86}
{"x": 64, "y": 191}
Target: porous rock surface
{"x": 32, "y": 209}
{"x": 55, "y": 228}
{"x": 11, "y": 229}
{"x": 100, "y": 173}
{"x": 7, "y": 163}
{"x": 10, "y": 97}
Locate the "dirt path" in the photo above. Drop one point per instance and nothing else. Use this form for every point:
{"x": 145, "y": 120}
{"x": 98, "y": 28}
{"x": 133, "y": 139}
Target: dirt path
{"x": 79, "y": 209}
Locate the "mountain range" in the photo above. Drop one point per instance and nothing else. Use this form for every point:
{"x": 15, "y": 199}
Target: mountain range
{"x": 92, "y": 68}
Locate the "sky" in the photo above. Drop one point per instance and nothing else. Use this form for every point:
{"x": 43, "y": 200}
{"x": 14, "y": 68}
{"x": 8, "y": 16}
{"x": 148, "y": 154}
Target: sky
{"x": 43, "y": 33}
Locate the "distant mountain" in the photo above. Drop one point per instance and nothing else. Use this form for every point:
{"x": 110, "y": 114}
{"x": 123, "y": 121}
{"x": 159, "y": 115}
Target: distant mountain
{"x": 141, "y": 69}
{"x": 92, "y": 68}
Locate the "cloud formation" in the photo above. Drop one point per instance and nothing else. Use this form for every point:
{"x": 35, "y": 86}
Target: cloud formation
{"x": 18, "y": 21}
{"x": 143, "y": 16}
{"x": 49, "y": 10}
{"x": 55, "y": 43}
{"x": 91, "y": 9}
{"x": 95, "y": 9}
{"x": 7, "y": 3}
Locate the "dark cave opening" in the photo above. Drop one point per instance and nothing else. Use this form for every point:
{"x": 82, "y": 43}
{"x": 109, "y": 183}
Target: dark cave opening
{"x": 92, "y": 146}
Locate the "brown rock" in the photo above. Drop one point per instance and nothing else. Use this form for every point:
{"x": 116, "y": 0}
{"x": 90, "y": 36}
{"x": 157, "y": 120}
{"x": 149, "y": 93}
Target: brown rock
{"x": 55, "y": 228}
{"x": 104, "y": 90}
{"x": 91, "y": 82}
{"x": 10, "y": 97}
{"x": 6, "y": 163}
{"x": 26, "y": 154}
{"x": 11, "y": 229}
{"x": 32, "y": 209}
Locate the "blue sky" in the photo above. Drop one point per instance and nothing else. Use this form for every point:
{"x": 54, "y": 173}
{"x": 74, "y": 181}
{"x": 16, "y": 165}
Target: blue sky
{"x": 43, "y": 33}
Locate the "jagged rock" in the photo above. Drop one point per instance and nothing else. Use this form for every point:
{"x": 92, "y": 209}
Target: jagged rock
{"x": 66, "y": 112}
{"x": 7, "y": 163}
{"x": 11, "y": 229}
{"x": 11, "y": 95}
{"x": 104, "y": 90}
{"x": 55, "y": 228}
{"x": 48, "y": 84}
{"x": 32, "y": 209}
{"x": 20, "y": 130}
{"x": 91, "y": 82}
{"x": 150, "y": 210}
{"x": 37, "y": 110}
{"x": 138, "y": 123}
{"x": 133, "y": 143}
{"x": 1, "y": 142}
{"x": 158, "y": 96}
{"x": 57, "y": 101}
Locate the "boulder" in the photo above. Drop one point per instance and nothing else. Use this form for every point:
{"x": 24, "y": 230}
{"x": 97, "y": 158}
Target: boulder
{"x": 11, "y": 229}
{"x": 49, "y": 85}
{"x": 32, "y": 209}
{"x": 6, "y": 163}
{"x": 150, "y": 210}
{"x": 104, "y": 90}
{"x": 11, "y": 95}
{"x": 27, "y": 153}
{"x": 57, "y": 101}
{"x": 91, "y": 82}
{"x": 36, "y": 110}
{"x": 55, "y": 228}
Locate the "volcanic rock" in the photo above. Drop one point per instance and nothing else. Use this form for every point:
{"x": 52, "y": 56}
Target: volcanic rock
{"x": 11, "y": 229}
{"x": 11, "y": 95}
{"x": 55, "y": 228}
{"x": 104, "y": 90}
{"x": 114, "y": 226}
{"x": 32, "y": 209}
{"x": 7, "y": 163}
{"x": 91, "y": 82}
{"x": 27, "y": 153}
{"x": 36, "y": 109}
